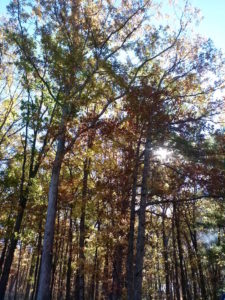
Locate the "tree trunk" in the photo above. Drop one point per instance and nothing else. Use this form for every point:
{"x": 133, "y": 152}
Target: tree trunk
{"x": 141, "y": 221}
{"x": 117, "y": 273}
{"x": 95, "y": 276}
{"x": 69, "y": 262}
{"x": 3, "y": 254}
{"x": 61, "y": 267}
{"x": 176, "y": 279}
{"x": 18, "y": 272}
{"x": 105, "y": 284}
{"x": 130, "y": 250}
{"x": 44, "y": 291}
{"x": 180, "y": 254}
{"x": 192, "y": 262}
{"x": 36, "y": 272}
{"x": 29, "y": 278}
{"x": 55, "y": 255}
{"x": 193, "y": 236}
{"x": 82, "y": 230}
{"x": 166, "y": 260}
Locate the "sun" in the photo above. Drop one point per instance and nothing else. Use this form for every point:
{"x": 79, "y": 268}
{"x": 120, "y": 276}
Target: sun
{"x": 162, "y": 154}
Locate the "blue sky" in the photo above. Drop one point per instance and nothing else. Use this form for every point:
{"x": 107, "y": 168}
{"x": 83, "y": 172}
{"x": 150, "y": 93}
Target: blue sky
{"x": 212, "y": 26}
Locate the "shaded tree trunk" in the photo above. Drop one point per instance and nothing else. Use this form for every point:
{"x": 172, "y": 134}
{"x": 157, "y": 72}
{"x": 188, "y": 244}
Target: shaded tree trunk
{"x": 130, "y": 250}
{"x": 95, "y": 276}
{"x": 18, "y": 272}
{"x": 30, "y": 275}
{"x": 141, "y": 221}
{"x": 180, "y": 253}
{"x": 192, "y": 262}
{"x": 81, "y": 287}
{"x": 117, "y": 273}
{"x": 2, "y": 258}
{"x": 166, "y": 259}
{"x": 193, "y": 235}
{"x": 69, "y": 262}
{"x": 37, "y": 267}
{"x": 176, "y": 277}
{"x": 105, "y": 284}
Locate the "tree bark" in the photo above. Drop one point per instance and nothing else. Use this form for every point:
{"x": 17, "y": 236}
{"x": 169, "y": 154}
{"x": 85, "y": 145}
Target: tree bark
{"x": 29, "y": 278}
{"x": 105, "y": 284}
{"x": 69, "y": 262}
{"x": 36, "y": 272}
{"x": 176, "y": 281}
{"x": 166, "y": 259}
{"x": 193, "y": 235}
{"x": 3, "y": 254}
{"x": 130, "y": 251}
{"x": 180, "y": 254}
{"x": 44, "y": 291}
{"x": 141, "y": 221}
{"x": 116, "y": 293}
{"x": 82, "y": 230}
{"x": 18, "y": 271}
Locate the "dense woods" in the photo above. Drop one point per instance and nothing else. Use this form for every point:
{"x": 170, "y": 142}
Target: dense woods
{"x": 112, "y": 158}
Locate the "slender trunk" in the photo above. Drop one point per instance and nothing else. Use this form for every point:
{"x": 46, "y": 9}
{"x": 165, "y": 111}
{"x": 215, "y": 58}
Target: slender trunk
{"x": 141, "y": 222}
{"x": 159, "y": 289}
{"x": 6, "y": 240}
{"x": 36, "y": 272}
{"x": 93, "y": 278}
{"x": 44, "y": 291}
{"x": 192, "y": 262}
{"x": 56, "y": 252}
{"x": 24, "y": 279}
{"x": 202, "y": 280}
{"x": 35, "y": 292}
{"x": 187, "y": 281}
{"x": 180, "y": 253}
{"x": 29, "y": 279}
{"x": 11, "y": 285}
{"x": 69, "y": 262}
{"x": 130, "y": 254}
{"x": 97, "y": 280}
{"x": 193, "y": 235}
{"x": 60, "y": 273}
{"x": 18, "y": 271}
{"x": 166, "y": 260}
{"x": 194, "y": 283}
{"x": 105, "y": 284}
{"x": 176, "y": 281}
{"x": 117, "y": 273}
{"x": 3, "y": 254}
{"x": 82, "y": 230}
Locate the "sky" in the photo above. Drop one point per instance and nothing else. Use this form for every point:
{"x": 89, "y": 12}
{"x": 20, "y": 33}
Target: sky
{"x": 212, "y": 25}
